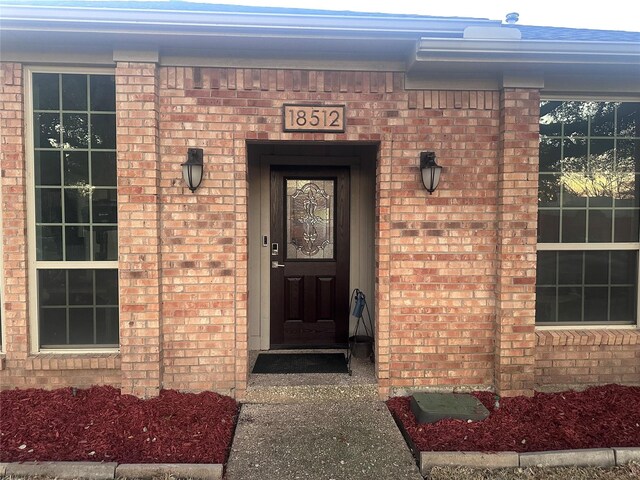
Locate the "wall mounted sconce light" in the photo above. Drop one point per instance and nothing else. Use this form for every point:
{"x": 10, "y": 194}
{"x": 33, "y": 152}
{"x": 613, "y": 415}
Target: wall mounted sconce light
{"x": 430, "y": 171}
{"x": 193, "y": 168}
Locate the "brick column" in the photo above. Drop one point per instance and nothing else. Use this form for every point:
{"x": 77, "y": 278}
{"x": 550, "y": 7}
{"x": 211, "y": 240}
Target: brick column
{"x": 14, "y": 217}
{"x": 141, "y": 343}
{"x": 517, "y": 225}
{"x": 383, "y": 269}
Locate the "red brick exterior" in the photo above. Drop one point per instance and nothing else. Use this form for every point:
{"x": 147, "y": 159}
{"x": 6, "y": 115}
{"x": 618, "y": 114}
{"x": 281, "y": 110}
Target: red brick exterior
{"x": 581, "y": 358}
{"x": 517, "y": 231}
{"x": 455, "y": 271}
{"x": 141, "y": 344}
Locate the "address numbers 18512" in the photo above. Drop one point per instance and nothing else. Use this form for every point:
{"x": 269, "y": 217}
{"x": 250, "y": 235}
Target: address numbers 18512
{"x": 313, "y": 118}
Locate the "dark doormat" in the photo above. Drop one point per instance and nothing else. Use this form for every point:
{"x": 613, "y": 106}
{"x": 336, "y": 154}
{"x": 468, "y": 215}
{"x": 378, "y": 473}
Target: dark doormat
{"x": 301, "y": 363}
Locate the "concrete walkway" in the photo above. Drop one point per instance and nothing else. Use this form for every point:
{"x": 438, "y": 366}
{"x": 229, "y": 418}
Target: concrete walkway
{"x": 329, "y": 440}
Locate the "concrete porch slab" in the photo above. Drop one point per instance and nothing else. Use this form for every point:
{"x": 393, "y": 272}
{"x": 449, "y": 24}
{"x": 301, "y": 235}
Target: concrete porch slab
{"x": 343, "y": 440}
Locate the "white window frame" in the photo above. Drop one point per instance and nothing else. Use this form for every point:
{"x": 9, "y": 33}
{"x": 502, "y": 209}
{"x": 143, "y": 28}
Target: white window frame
{"x": 33, "y": 264}
{"x": 629, "y": 246}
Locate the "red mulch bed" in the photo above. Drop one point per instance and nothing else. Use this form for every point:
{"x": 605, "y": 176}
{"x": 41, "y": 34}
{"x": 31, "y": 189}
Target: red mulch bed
{"x": 100, "y": 424}
{"x": 606, "y": 416}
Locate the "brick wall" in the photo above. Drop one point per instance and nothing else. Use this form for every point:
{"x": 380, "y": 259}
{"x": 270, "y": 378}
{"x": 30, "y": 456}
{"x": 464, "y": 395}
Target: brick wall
{"x": 455, "y": 271}
{"x": 435, "y": 279}
{"x": 517, "y": 231}
{"x": 579, "y": 358}
{"x": 139, "y": 227}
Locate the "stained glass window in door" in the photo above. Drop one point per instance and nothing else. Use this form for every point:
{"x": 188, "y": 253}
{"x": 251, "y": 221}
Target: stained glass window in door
{"x": 310, "y": 216}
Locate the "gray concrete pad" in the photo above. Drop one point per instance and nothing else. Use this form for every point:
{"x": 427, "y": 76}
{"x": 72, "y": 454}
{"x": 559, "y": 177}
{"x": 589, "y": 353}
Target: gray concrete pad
{"x": 591, "y": 457}
{"x": 344, "y": 440}
{"x": 63, "y": 470}
{"x": 192, "y": 471}
{"x": 428, "y": 460}
{"x": 627, "y": 454}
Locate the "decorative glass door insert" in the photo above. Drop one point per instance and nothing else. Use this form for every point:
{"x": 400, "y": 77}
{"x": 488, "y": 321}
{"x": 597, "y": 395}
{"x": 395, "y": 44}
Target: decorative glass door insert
{"x": 310, "y": 218}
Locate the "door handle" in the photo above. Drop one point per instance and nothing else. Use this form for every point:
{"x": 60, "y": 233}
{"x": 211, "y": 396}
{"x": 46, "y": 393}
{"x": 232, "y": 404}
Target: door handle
{"x": 275, "y": 264}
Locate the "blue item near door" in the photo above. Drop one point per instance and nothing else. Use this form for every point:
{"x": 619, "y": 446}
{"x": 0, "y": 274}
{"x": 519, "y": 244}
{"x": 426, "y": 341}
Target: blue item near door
{"x": 360, "y": 345}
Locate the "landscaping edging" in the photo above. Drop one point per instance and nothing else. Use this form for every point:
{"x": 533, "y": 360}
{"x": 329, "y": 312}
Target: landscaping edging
{"x": 593, "y": 457}
{"x": 111, "y": 471}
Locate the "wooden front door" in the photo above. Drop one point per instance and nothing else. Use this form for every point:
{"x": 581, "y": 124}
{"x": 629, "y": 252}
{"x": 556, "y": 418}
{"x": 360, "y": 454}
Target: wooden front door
{"x": 309, "y": 256}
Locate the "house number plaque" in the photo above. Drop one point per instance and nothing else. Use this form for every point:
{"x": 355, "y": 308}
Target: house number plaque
{"x": 314, "y": 118}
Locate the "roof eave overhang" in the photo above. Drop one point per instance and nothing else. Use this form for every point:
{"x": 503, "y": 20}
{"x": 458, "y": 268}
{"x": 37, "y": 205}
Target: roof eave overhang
{"x": 498, "y": 55}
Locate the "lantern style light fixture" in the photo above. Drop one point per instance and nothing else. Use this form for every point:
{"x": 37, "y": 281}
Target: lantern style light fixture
{"x": 430, "y": 171}
{"x": 193, "y": 168}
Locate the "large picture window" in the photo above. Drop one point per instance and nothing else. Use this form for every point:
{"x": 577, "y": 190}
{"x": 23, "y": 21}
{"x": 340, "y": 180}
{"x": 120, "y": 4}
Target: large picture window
{"x": 75, "y": 214}
{"x": 588, "y": 213}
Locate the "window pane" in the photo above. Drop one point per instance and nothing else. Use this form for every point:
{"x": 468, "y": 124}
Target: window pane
{"x": 76, "y": 168}
{"x": 603, "y": 120}
{"x": 103, "y": 169}
{"x": 45, "y": 91}
{"x": 47, "y": 130}
{"x": 76, "y": 130}
{"x": 550, "y": 154}
{"x": 574, "y": 157}
{"x": 48, "y": 205}
{"x": 570, "y": 304}
{"x": 623, "y": 267}
{"x": 69, "y": 315}
{"x": 629, "y": 119}
{"x": 103, "y": 93}
{"x": 549, "y": 190}
{"x": 53, "y": 326}
{"x": 574, "y": 190}
{"x": 596, "y": 267}
{"x": 74, "y": 92}
{"x": 52, "y": 287}
{"x": 81, "y": 326}
{"x": 77, "y": 243}
{"x": 76, "y": 205}
{"x": 550, "y": 118}
{"x": 105, "y": 206}
{"x": 600, "y": 225}
{"x": 576, "y": 118}
{"x": 628, "y": 187}
{"x": 49, "y": 243}
{"x": 548, "y": 226}
{"x": 105, "y": 243}
{"x": 47, "y": 169}
{"x": 547, "y": 269}
{"x": 107, "y": 326}
{"x": 626, "y": 226}
{"x": 596, "y": 304}
{"x": 107, "y": 287}
{"x": 103, "y": 131}
{"x": 570, "y": 268}
{"x": 574, "y": 224}
{"x": 623, "y": 304}
{"x": 546, "y": 302}
{"x": 80, "y": 287}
